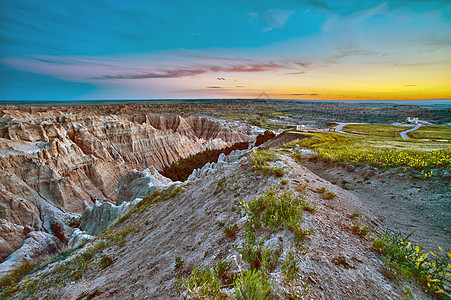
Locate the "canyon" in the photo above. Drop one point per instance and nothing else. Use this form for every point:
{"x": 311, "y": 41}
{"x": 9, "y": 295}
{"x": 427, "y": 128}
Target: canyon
{"x": 84, "y": 199}
{"x": 55, "y": 162}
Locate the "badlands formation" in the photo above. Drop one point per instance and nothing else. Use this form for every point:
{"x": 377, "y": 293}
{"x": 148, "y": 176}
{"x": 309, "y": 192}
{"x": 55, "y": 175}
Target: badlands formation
{"x": 56, "y": 163}
{"x": 68, "y": 173}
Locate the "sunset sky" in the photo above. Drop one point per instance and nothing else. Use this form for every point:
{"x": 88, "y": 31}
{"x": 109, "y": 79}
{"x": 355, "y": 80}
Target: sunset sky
{"x": 301, "y": 49}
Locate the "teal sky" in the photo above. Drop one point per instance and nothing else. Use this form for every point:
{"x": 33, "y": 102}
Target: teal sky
{"x": 312, "y": 49}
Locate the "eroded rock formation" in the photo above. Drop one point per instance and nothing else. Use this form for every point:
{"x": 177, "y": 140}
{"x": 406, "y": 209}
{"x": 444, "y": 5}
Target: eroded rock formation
{"x": 132, "y": 188}
{"x": 52, "y": 162}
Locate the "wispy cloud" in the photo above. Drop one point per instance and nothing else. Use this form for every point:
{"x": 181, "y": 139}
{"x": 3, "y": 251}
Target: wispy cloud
{"x": 339, "y": 21}
{"x": 187, "y": 72}
{"x": 85, "y": 69}
{"x": 296, "y": 73}
{"x": 174, "y": 73}
{"x": 273, "y": 18}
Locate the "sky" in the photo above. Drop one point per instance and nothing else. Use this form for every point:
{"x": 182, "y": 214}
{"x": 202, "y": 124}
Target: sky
{"x": 173, "y": 49}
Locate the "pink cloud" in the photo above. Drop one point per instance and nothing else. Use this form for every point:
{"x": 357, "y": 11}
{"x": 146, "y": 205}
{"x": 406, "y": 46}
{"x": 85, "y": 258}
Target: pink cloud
{"x": 187, "y": 72}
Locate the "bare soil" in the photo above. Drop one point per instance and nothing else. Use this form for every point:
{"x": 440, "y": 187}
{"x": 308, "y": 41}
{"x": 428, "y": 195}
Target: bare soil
{"x": 399, "y": 202}
{"x": 335, "y": 263}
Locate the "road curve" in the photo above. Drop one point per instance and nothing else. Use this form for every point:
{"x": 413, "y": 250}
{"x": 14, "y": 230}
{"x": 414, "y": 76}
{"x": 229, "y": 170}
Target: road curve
{"x": 404, "y": 133}
{"x": 340, "y": 126}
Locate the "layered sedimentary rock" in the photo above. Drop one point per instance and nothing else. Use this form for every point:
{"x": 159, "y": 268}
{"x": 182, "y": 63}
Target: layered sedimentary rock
{"x": 51, "y": 162}
{"x": 36, "y": 244}
{"x": 132, "y": 188}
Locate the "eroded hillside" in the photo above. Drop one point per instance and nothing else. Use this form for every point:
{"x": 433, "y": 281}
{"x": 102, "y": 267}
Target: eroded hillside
{"x": 250, "y": 218}
{"x": 151, "y": 253}
{"x": 52, "y": 162}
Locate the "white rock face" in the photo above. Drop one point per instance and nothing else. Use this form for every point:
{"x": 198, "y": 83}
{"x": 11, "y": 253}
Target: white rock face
{"x": 132, "y": 187}
{"x": 211, "y": 168}
{"x": 36, "y": 244}
{"x": 137, "y": 184}
{"x": 77, "y": 238}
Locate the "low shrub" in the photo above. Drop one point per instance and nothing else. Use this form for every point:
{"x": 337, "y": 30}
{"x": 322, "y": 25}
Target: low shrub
{"x": 290, "y": 268}
{"x": 325, "y": 193}
{"x": 202, "y": 284}
{"x": 433, "y": 272}
{"x": 260, "y": 162}
{"x": 118, "y": 236}
{"x": 253, "y": 285}
{"x": 147, "y": 201}
{"x": 301, "y": 188}
{"x": 222, "y": 269}
{"x": 230, "y": 231}
{"x": 307, "y": 206}
{"x": 359, "y": 229}
{"x": 355, "y": 215}
{"x": 178, "y": 264}
{"x": 105, "y": 261}
{"x": 220, "y": 186}
{"x": 9, "y": 283}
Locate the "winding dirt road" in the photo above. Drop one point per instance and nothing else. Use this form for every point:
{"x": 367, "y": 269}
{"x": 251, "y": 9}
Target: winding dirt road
{"x": 403, "y": 134}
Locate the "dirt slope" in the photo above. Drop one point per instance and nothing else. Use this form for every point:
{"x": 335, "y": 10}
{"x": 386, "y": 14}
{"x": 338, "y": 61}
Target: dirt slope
{"x": 187, "y": 227}
{"x": 397, "y": 201}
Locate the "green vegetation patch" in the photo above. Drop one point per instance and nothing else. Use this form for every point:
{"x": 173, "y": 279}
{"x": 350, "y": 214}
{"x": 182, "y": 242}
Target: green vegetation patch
{"x": 261, "y": 160}
{"x": 9, "y": 283}
{"x": 432, "y": 271}
{"x": 432, "y": 132}
{"x": 277, "y": 209}
{"x": 253, "y": 284}
{"x": 377, "y": 151}
{"x": 376, "y": 130}
{"x": 206, "y": 283}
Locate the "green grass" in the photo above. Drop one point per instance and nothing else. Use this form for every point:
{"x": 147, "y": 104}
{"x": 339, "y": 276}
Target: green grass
{"x": 379, "y": 151}
{"x": 261, "y": 160}
{"x": 275, "y": 209}
{"x": 206, "y": 283}
{"x": 432, "y": 132}
{"x": 118, "y": 236}
{"x": 202, "y": 284}
{"x": 360, "y": 229}
{"x": 290, "y": 267}
{"x": 105, "y": 261}
{"x": 278, "y": 209}
{"x": 375, "y": 130}
{"x": 432, "y": 271}
{"x": 425, "y": 132}
{"x": 9, "y": 283}
{"x": 254, "y": 285}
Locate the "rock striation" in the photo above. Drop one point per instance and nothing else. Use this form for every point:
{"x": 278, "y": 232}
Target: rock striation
{"x": 35, "y": 245}
{"x": 53, "y": 161}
